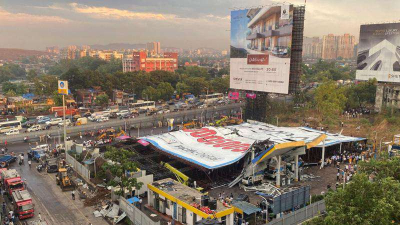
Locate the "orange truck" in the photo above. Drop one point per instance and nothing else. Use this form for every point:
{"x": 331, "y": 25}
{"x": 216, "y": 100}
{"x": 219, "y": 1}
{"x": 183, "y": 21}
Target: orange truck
{"x": 58, "y": 111}
{"x": 23, "y": 205}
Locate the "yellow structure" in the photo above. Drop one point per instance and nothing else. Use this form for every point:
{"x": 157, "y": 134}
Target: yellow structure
{"x": 179, "y": 201}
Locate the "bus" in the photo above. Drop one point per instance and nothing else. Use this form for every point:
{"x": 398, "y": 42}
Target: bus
{"x": 212, "y": 98}
{"x": 146, "y": 105}
{"x": 8, "y": 125}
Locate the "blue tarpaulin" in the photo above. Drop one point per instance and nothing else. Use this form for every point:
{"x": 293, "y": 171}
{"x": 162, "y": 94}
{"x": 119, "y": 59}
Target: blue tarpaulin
{"x": 133, "y": 200}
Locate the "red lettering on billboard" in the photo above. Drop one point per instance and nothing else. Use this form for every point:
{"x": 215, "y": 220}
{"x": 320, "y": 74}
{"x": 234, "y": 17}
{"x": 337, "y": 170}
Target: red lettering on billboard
{"x": 258, "y": 59}
{"x": 208, "y": 137}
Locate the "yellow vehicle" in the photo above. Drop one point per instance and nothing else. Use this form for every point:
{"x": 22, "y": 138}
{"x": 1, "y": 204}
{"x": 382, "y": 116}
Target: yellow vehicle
{"x": 192, "y": 124}
{"x": 64, "y": 180}
{"x": 107, "y": 134}
{"x": 182, "y": 178}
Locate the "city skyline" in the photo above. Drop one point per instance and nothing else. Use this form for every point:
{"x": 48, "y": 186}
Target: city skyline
{"x": 175, "y": 23}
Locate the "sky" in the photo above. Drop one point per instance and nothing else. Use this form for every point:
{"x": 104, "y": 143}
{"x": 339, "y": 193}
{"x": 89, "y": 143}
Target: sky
{"x": 35, "y": 24}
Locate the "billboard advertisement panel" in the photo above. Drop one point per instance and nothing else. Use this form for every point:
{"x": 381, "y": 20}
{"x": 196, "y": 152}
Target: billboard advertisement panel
{"x": 379, "y": 52}
{"x": 261, "y": 40}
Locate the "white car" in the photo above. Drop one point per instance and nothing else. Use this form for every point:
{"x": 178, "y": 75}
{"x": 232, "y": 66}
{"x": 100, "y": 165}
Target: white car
{"x": 123, "y": 112}
{"x": 102, "y": 119}
{"x": 40, "y": 117}
{"x": 34, "y": 128}
{"x": 12, "y": 132}
{"x": 67, "y": 122}
{"x": 54, "y": 122}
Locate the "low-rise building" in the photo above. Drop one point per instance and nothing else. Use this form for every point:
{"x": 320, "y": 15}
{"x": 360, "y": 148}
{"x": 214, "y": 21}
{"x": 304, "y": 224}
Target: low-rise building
{"x": 87, "y": 96}
{"x": 184, "y": 203}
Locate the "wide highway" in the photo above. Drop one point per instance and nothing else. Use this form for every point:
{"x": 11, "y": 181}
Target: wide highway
{"x": 205, "y": 114}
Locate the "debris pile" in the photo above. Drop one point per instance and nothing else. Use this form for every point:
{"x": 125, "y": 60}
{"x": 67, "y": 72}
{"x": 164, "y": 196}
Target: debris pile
{"x": 98, "y": 197}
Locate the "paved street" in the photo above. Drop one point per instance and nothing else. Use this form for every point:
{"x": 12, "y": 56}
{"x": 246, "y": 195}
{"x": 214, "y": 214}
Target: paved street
{"x": 206, "y": 114}
{"x": 55, "y": 206}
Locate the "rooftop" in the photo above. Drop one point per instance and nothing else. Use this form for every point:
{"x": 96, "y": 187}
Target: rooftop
{"x": 183, "y": 193}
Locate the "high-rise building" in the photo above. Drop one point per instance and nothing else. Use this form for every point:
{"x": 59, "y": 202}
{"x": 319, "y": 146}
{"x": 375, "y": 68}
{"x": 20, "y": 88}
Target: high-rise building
{"x": 140, "y": 62}
{"x": 53, "y": 49}
{"x": 346, "y": 45}
{"x": 312, "y": 48}
{"x": 334, "y": 47}
{"x": 154, "y": 48}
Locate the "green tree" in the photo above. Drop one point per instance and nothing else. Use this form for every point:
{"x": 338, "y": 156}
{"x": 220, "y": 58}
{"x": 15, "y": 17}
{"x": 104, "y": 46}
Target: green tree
{"x": 197, "y": 85}
{"x": 330, "y": 100}
{"x": 57, "y": 98}
{"x": 361, "y": 94}
{"x": 31, "y": 75}
{"x": 5, "y": 74}
{"x": 151, "y": 93}
{"x": 122, "y": 163}
{"x": 76, "y": 79}
{"x": 102, "y": 100}
{"x": 114, "y": 66}
{"x": 182, "y": 88}
{"x": 165, "y": 90}
{"x": 220, "y": 85}
{"x": 15, "y": 69}
{"x": 364, "y": 202}
{"x": 7, "y": 86}
{"x": 45, "y": 85}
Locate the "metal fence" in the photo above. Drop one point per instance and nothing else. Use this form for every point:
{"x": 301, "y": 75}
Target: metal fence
{"x": 77, "y": 166}
{"x": 301, "y": 215}
{"x": 134, "y": 214}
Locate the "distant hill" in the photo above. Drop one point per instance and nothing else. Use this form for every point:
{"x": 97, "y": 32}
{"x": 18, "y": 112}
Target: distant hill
{"x": 118, "y": 46}
{"x": 16, "y": 54}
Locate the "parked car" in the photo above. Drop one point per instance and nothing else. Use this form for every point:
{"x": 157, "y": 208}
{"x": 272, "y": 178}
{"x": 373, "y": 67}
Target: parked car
{"x": 44, "y": 120}
{"x": 123, "y": 112}
{"x": 102, "y": 119}
{"x": 54, "y": 122}
{"x": 28, "y": 124}
{"x": 67, "y": 121}
{"x": 12, "y": 132}
{"x": 34, "y": 128}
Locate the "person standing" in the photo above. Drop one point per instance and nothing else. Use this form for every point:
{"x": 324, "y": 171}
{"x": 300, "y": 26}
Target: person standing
{"x": 337, "y": 176}
{"x": 40, "y": 217}
{"x": 73, "y": 195}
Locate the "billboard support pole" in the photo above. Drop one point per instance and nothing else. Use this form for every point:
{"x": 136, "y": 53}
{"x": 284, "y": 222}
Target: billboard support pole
{"x": 65, "y": 129}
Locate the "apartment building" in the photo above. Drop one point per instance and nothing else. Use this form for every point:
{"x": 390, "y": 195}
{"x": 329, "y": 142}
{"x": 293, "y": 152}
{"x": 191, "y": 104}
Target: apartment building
{"x": 154, "y": 48}
{"x": 312, "y": 48}
{"x": 334, "y": 47}
{"x": 140, "y": 62}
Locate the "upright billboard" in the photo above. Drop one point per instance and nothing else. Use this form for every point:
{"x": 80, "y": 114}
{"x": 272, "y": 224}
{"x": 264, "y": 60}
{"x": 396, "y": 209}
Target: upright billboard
{"x": 261, "y": 40}
{"x": 379, "y": 52}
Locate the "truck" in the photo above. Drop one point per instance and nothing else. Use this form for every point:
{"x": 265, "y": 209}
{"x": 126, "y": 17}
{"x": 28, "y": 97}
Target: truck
{"x": 81, "y": 121}
{"x": 38, "y": 154}
{"x": 6, "y": 160}
{"x": 23, "y": 205}
{"x": 253, "y": 180}
{"x": 12, "y": 181}
{"x": 58, "y": 111}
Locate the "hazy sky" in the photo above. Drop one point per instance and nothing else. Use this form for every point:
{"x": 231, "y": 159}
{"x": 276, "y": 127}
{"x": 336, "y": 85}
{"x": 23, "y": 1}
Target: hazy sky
{"x": 35, "y": 24}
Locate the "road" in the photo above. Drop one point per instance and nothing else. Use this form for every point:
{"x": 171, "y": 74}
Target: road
{"x": 55, "y": 206}
{"x": 206, "y": 114}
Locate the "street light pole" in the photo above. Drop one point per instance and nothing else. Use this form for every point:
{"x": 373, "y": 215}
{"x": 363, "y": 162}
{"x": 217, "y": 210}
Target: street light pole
{"x": 65, "y": 125}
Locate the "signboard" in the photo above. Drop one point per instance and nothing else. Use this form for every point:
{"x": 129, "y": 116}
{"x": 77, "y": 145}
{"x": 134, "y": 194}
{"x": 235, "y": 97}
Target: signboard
{"x": 215, "y": 147}
{"x": 378, "y": 52}
{"x": 63, "y": 87}
{"x": 261, "y": 41}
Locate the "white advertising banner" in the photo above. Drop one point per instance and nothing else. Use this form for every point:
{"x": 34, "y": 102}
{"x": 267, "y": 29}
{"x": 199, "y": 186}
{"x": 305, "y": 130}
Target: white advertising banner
{"x": 261, "y": 40}
{"x": 215, "y": 147}
{"x": 378, "y": 52}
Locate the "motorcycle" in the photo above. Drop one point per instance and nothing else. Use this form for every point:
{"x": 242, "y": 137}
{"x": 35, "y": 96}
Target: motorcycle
{"x": 39, "y": 168}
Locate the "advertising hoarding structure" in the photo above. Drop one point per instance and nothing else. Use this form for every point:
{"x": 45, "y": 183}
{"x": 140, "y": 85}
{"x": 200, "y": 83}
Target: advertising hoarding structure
{"x": 261, "y": 41}
{"x": 216, "y": 147}
{"x": 379, "y": 52}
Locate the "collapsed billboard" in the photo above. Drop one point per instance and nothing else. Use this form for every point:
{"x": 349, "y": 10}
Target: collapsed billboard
{"x": 216, "y": 147}
{"x": 261, "y": 40}
{"x": 379, "y": 52}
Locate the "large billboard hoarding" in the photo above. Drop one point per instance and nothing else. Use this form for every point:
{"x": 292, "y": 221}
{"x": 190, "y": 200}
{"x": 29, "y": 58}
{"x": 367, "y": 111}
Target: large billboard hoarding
{"x": 379, "y": 52}
{"x": 261, "y": 40}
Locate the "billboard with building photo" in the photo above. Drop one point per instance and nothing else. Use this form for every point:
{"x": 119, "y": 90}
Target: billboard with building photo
{"x": 261, "y": 40}
{"x": 379, "y": 52}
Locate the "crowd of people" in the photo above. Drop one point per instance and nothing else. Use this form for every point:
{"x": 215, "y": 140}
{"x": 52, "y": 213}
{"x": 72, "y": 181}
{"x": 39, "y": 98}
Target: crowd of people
{"x": 356, "y": 113}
